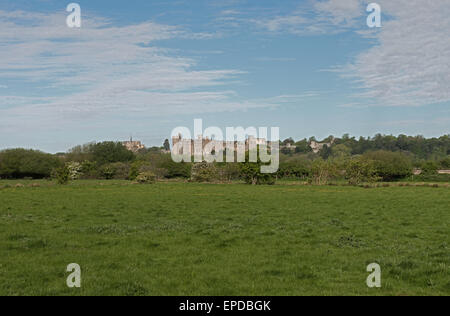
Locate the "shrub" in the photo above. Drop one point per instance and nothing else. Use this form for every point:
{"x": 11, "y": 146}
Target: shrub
{"x": 89, "y": 170}
{"x": 62, "y": 175}
{"x": 176, "y": 170}
{"x": 445, "y": 163}
{"x": 251, "y": 174}
{"x": 108, "y": 172}
{"x": 322, "y": 171}
{"x": 229, "y": 171}
{"x": 204, "y": 172}
{"x": 295, "y": 169}
{"x": 117, "y": 170}
{"x": 74, "y": 170}
{"x": 430, "y": 168}
{"x": 121, "y": 170}
{"x": 23, "y": 163}
{"x": 146, "y": 177}
{"x": 390, "y": 165}
{"x": 361, "y": 170}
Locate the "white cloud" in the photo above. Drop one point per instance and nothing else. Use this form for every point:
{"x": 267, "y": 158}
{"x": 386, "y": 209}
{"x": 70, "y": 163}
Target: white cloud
{"x": 410, "y": 64}
{"x": 104, "y": 70}
{"x": 320, "y": 17}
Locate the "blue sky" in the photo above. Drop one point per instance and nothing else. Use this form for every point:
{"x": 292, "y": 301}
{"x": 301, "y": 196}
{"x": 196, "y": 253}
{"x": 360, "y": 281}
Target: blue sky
{"x": 312, "y": 68}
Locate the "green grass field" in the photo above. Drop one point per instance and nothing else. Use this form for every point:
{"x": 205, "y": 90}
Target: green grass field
{"x": 200, "y": 239}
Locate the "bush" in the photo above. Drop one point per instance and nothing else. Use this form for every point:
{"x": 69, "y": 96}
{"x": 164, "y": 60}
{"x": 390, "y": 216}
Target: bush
{"x": 89, "y": 170}
{"x": 62, "y": 175}
{"x": 295, "y": 169}
{"x": 390, "y": 166}
{"x": 204, "y": 172}
{"x": 121, "y": 170}
{"x": 107, "y": 172}
{"x": 146, "y": 177}
{"x": 118, "y": 171}
{"x": 322, "y": 171}
{"x": 22, "y": 163}
{"x": 430, "y": 168}
{"x": 445, "y": 163}
{"x": 74, "y": 170}
{"x": 251, "y": 174}
{"x": 361, "y": 170}
{"x": 176, "y": 170}
{"x": 229, "y": 171}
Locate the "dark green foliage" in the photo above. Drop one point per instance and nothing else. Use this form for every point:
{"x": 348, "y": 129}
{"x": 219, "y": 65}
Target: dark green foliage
{"x": 134, "y": 169}
{"x": 445, "y": 163}
{"x": 22, "y": 163}
{"x": 89, "y": 170}
{"x": 302, "y": 147}
{"x": 204, "y": 172}
{"x": 326, "y": 152}
{"x": 62, "y": 175}
{"x": 110, "y": 152}
{"x": 107, "y": 172}
{"x": 251, "y": 173}
{"x": 360, "y": 170}
{"x": 295, "y": 168}
{"x": 430, "y": 168}
{"x": 287, "y": 141}
{"x": 177, "y": 170}
{"x": 323, "y": 171}
{"x": 392, "y": 156}
{"x": 121, "y": 170}
{"x": 390, "y": 165}
{"x": 166, "y": 145}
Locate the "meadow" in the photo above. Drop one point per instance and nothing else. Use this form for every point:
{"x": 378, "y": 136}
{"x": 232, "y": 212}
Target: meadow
{"x": 222, "y": 239}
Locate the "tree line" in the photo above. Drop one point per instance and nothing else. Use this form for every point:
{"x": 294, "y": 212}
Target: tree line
{"x": 381, "y": 158}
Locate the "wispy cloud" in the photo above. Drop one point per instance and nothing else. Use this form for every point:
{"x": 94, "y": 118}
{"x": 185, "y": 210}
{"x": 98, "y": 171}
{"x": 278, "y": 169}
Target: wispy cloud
{"x": 315, "y": 18}
{"x": 101, "y": 70}
{"x": 410, "y": 64}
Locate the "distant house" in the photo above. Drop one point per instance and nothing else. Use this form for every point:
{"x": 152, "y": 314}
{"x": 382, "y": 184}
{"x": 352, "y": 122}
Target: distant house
{"x": 317, "y": 147}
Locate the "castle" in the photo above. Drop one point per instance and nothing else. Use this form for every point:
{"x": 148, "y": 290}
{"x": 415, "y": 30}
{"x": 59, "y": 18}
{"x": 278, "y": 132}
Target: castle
{"x": 133, "y": 146}
{"x": 203, "y": 142}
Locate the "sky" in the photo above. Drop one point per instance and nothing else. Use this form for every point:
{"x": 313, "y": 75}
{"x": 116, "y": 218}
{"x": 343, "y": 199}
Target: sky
{"x": 142, "y": 68}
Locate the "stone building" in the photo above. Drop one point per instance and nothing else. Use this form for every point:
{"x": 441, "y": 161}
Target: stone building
{"x": 203, "y": 142}
{"x": 133, "y": 146}
{"x": 316, "y": 147}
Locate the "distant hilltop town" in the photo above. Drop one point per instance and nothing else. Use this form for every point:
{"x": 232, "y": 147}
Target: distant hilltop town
{"x": 190, "y": 143}
{"x": 135, "y": 146}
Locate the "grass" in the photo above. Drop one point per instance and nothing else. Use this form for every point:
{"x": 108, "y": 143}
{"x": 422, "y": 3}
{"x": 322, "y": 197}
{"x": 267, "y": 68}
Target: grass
{"x": 200, "y": 239}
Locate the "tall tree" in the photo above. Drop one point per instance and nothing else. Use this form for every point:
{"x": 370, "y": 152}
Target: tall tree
{"x": 166, "y": 145}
